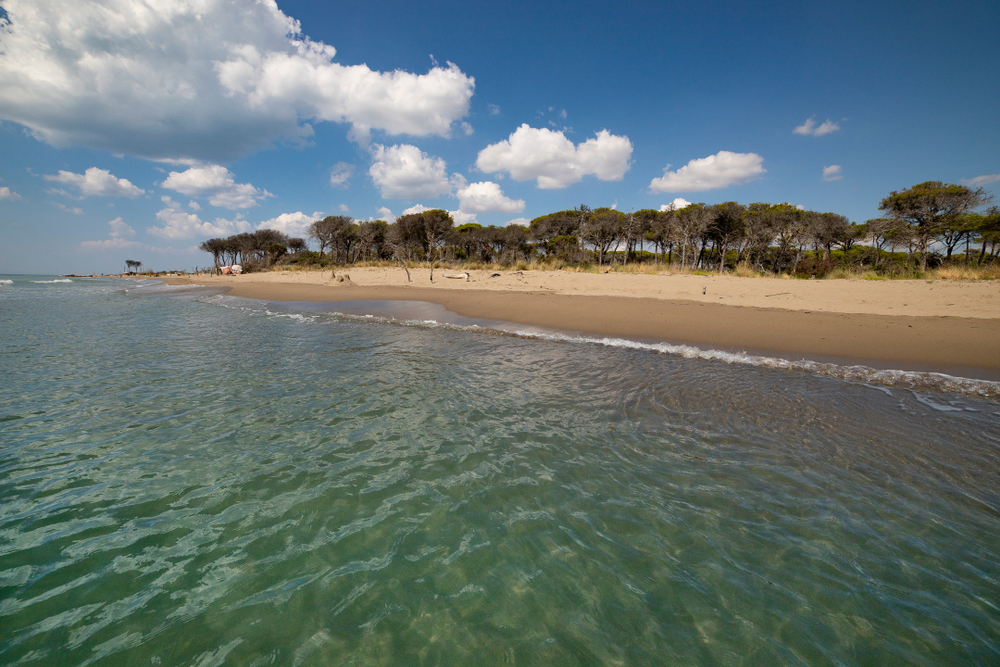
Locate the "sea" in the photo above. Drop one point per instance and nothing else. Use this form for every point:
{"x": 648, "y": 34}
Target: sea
{"x": 188, "y": 478}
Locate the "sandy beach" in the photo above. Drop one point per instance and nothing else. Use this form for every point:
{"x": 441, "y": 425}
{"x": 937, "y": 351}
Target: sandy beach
{"x": 944, "y": 326}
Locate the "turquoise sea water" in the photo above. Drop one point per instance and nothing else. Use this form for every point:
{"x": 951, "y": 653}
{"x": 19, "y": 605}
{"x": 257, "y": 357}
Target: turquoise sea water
{"x": 191, "y": 479}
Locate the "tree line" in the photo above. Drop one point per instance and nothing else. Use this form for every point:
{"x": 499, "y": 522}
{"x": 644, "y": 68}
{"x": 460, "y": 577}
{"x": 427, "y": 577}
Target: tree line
{"x": 768, "y": 238}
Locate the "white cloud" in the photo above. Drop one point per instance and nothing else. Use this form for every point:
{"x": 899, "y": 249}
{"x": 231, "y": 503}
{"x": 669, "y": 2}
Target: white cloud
{"x": 461, "y": 217}
{"x": 385, "y": 214}
{"x": 467, "y": 129}
{"x": 205, "y": 79}
{"x": 7, "y": 193}
{"x": 294, "y": 224}
{"x": 810, "y": 128}
{"x": 494, "y": 109}
{"x": 517, "y": 221}
{"x": 708, "y": 173}
{"x": 119, "y": 229}
{"x": 216, "y": 183}
{"x": 180, "y": 225}
{"x": 976, "y": 182}
{"x": 553, "y": 161}
{"x": 675, "y": 205}
{"x": 484, "y": 197}
{"x": 404, "y": 172}
{"x": 339, "y": 173}
{"x": 832, "y": 173}
{"x": 75, "y": 210}
{"x": 97, "y": 182}
{"x": 194, "y": 206}
{"x": 344, "y": 208}
{"x": 416, "y": 208}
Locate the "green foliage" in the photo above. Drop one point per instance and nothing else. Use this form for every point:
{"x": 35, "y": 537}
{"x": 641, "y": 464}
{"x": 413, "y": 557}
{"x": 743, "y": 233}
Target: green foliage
{"x": 751, "y": 239}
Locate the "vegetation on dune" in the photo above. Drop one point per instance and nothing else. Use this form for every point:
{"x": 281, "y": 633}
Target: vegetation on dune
{"x": 932, "y": 226}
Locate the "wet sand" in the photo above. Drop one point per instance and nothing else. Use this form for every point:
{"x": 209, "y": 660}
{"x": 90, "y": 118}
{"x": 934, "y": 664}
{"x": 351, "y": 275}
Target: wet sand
{"x": 944, "y": 326}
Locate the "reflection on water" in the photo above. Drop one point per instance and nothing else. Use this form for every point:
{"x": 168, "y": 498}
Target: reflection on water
{"x": 187, "y": 484}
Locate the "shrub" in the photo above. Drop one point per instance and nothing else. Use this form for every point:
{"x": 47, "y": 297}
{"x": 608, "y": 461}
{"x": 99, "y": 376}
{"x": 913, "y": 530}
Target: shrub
{"x": 814, "y": 268}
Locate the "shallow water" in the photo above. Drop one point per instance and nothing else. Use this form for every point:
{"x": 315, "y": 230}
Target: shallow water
{"x": 189, "y": 479}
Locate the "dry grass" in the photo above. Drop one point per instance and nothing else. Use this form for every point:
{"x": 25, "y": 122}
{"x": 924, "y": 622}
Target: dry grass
{"x": 962, "y": 272}
{"x": 742, "y": 270}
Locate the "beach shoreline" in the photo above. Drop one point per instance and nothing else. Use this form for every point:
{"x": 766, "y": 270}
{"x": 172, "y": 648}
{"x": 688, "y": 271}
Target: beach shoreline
{"x": 950, "y": 327}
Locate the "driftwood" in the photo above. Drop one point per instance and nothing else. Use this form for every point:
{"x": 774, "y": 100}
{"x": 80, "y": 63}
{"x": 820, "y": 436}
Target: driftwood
{"x": 456, "y": 275}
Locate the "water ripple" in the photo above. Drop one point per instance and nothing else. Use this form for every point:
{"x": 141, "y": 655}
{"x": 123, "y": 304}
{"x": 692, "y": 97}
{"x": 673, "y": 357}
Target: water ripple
{"x": 327, "y": 490}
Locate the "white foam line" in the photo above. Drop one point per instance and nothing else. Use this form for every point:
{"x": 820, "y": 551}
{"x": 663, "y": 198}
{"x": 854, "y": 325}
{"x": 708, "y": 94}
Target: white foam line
{"x": 857, "y": 373}
{"x": 47, "y": 282}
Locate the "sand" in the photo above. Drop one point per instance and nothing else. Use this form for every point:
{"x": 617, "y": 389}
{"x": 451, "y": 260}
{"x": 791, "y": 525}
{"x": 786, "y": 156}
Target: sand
{"x": 944, "y": 326}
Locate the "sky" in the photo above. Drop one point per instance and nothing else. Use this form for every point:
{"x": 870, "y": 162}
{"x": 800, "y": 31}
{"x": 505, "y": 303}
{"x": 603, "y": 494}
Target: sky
{"x": 136, "y": 129}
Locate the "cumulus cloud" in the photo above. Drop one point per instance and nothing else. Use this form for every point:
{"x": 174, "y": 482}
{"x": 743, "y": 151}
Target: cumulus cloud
{"x": 832, "y": 173}
{"x": 118, "y": 238}
{"x": 294, "y": 224}
{"x": 485, "y": 197}
{"x": 119, "y": 229}
{"x": 204, "y": 79}
{"x": 7, "y": 193}
{"x": 416, "y": 208}
{"x": 194, "y": 206}
{"x": 339, "y": 173}
{"x": 552, "y": 160}
{"x": 385, "y": 214}
{"x": 675, "y": 205}
{"x": 976, "y": 182}
{"x": 809, "y": 128}
{"x": 216, "y": 183}
{"x": 97, "y": 183}
{"x": 708, "y": 173}
{"x": 405, "y": 172}
{"x": 460, "y": 217}
{"x": 180, "y": 225}
{"x": 517, "y": 221}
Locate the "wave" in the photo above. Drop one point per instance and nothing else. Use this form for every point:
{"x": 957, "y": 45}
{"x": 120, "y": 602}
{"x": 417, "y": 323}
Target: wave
{"x": 6, "y": 282}
{"x": 914, "y": 380}
{"x": 46, "y": 282}
{"x": 857, "y": 373}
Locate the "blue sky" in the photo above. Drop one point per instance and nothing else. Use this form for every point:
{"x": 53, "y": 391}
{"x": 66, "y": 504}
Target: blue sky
{"x": 139, "y": 128}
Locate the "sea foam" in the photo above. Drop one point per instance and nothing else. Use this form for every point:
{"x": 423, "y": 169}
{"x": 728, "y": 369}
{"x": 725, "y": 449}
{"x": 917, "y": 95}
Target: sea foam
{"x": 879, "y": 378}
